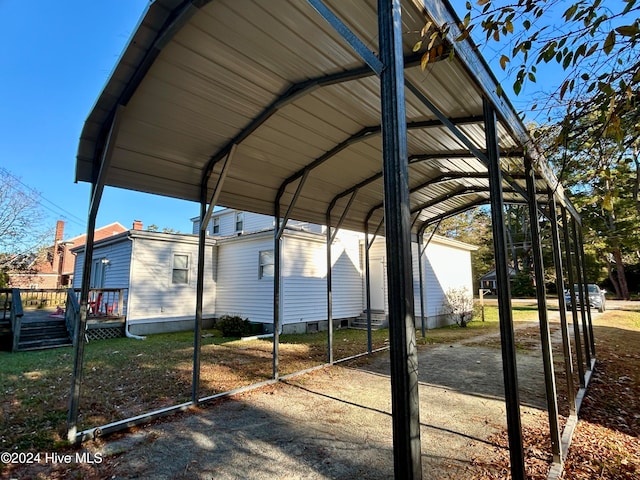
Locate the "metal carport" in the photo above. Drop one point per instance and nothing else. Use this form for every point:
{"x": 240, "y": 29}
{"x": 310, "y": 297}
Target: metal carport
{"x": 319, "y": 111}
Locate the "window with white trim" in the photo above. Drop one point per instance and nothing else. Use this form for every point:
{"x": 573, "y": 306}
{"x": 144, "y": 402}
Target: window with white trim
{"x": 215, "y": 229}
{"x": 180, "y": 269}
{"x": 266, "y": 264}
{"x": 239, "y": 221}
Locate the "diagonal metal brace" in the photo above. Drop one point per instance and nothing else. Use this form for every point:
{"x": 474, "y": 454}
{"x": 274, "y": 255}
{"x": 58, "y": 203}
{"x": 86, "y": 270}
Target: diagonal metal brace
{"x": 345, "y": 32}
{"x": 218, "y": 187}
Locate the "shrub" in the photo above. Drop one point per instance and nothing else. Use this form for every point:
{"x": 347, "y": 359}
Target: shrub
{"x": 459, "y": 305}
{"x": 233, "y": 326}
{"x": 522, "y": 285}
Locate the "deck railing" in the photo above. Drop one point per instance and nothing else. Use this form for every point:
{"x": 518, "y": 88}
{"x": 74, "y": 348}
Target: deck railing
{"x": 11, "y": 315}
{"x": 105, "y": 302}
{"x": 43, "y": 297}
{"x": 102, "y": 302}
{"x": 5, "y": 303}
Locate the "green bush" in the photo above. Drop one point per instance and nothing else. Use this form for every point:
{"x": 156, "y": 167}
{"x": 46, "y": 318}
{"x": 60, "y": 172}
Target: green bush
{"x": 522, "y": 285}
{"x": 233, "y": 326}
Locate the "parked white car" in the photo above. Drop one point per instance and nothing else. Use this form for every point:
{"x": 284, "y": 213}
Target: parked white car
{"x": 597, "y": 298}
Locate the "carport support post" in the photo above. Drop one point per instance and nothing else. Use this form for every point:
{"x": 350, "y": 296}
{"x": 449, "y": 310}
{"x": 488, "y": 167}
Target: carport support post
{"x": 277, "y": 243}
{"x": 572, "y": 293}
{"x": 421, "y": 282}
{"x": 545, "y": 335}
{"x": 510, "y": 372}
{"x": 329, "y": 296}
{"x": 197, "y": 330}
{"x": 405, "y": 403}
{"x": 97, "y": 189}
{"x": 80, "y": 327}
{"x": 564, "y": 328}
{"x": 588, "y": 303}
{"x": 367, "y": 282}
{"x": 584, "y": 302}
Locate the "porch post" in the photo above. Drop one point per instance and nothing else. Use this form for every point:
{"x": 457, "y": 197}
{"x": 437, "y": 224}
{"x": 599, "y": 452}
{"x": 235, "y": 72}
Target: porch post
{"x": 545, "y": 335}
{"x": 510, "y": 371}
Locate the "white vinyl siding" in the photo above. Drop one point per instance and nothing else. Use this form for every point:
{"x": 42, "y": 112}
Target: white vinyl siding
{"x": 346, "y": 276}
{"x": 305, "y": 279}
{"x": 447, "y": 267}
{"x": 116, "y": 273}
{"x": 251, "y": 222}
{"x": 304, "y": 282}
{"x": 444, "y": 266}
{"x": 153, "y": 295}
{"x": 239, "y": 290}
{"x": 144, "y": 266}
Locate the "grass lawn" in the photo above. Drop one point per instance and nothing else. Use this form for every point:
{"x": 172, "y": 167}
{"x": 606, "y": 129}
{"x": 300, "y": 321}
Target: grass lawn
{"x": 125, "y": 377}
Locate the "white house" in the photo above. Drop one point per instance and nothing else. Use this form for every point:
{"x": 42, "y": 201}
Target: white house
{"x": 158, "y": 271}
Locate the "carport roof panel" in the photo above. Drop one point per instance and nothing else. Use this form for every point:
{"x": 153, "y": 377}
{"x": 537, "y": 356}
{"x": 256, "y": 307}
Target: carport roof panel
{"x": 199, "y": 76}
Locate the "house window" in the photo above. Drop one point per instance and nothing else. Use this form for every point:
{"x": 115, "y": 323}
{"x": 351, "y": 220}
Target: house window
{"x": 180, "y": 271}
{"x": 266, "y": 264}
{"x": 239, "y": 221}
{"x": 216, "y": 226}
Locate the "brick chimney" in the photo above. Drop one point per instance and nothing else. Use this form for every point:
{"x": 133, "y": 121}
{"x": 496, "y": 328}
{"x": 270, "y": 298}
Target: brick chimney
{"x": 59, "y": 231}
{"x": 137, "y": 225}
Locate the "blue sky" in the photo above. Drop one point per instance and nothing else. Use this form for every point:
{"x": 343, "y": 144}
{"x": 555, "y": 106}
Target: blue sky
{"x": 56, "y": 58}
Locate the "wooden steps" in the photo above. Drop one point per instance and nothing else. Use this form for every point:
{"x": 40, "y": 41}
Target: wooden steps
{"x": 43, "y": 333}
{"x": 378, "y": 320}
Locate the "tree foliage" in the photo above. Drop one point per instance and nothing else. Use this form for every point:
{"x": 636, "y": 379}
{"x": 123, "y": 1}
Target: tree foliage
{"x": 604, "y": 181}
{"x": 592, "y": 125}
{"x": 595, "y": 43}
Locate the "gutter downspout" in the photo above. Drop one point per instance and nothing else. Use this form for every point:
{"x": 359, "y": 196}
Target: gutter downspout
{"x": 127, "y": 333}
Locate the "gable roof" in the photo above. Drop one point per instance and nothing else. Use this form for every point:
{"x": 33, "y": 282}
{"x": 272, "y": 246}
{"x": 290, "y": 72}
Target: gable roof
{"x": 277, "y": 91}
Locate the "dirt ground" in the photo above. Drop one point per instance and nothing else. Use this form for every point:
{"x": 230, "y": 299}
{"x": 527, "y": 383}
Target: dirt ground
{"x": 331, "y": 423}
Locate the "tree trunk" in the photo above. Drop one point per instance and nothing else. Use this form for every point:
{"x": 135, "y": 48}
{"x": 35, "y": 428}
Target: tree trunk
{"x": 622, "y": 279}
{"x": 612, "y": 278}
{"x": 636, "y": 183}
